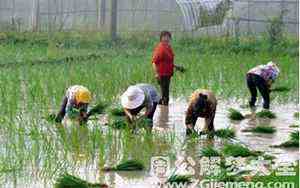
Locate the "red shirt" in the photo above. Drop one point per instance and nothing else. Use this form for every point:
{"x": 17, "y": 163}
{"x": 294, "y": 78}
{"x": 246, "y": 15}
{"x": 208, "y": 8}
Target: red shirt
{"x": 163, "y": 58}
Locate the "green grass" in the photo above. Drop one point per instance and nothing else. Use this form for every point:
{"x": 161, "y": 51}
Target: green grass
{"x": 70, "y": 181}
{"x": 225, "y": 133}
{"x": 266, "y": 114}
{"x": 209, "y": 151}
{"x": 262, "y": 129}
{"x": 237, "y": 150}
{"x": 130, "y": 165}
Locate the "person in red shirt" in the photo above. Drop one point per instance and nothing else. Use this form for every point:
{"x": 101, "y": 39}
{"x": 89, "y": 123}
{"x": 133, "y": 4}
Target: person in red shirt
{"x": 163, "y": 65}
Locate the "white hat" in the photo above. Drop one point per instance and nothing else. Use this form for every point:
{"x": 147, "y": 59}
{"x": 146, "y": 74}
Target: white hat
{"x": 274, "y": 65}
{"x": 132, "y": 98}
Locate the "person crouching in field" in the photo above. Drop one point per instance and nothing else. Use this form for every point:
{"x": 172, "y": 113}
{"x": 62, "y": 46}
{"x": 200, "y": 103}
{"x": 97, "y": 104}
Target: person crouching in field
{"x": 163, "y": 65}
{"x": 75, "y": 104}
{"x": 137, "y": 97}
{"x": 262, "y": 77}
{"x": 203, "y": 103}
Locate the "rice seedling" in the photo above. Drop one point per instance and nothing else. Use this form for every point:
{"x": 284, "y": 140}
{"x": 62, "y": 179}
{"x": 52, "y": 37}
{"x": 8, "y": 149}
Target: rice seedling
{"x": 97, "y": 109}
{"x": 296, "y": 115}
{"x": 261, "y": 129}
{"x": 266, "y": 114}
{"x": 209, "y": 151}
{"x": 235, "y": 115}
{"x": 225, "y": 133}
{"x": 294, "y": 126}
{"x": 118, "y": 123}
{"x": 130, "y": 165}
{"x": 292, "y": 142}
{"x": 70, "y": 181}
{"x": 50, "y": 118}
{"x": 281, "y": 89}
{"x": 237, "y": 150}
{"x": 118, "y": 111}
{"x": 179, "y": 179}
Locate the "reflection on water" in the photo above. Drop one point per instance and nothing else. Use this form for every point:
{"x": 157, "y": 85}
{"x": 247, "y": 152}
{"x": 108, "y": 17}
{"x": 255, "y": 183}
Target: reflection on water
{"x": 83, "y": 151}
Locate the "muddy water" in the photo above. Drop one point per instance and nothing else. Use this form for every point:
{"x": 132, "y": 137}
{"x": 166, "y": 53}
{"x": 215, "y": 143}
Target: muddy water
{"x": 171, "y": 119}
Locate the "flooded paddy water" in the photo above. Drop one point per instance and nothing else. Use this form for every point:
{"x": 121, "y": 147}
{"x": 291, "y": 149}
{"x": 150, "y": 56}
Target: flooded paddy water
{"x": 84, "y": 151}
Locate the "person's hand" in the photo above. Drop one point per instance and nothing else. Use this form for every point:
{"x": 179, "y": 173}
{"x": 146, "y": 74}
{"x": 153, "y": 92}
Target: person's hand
{"x": 156, "y": 76}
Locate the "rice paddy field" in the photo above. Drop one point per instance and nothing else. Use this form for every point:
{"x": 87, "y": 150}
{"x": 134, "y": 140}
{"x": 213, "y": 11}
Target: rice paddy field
{"x": 37, "y": 68}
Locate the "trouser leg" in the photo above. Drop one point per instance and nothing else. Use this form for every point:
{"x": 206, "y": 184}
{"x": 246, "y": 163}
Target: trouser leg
{"x": 264, "y": 91}
{"x": 252, "y": 88}
{"x": 164, "y": 82}
{"x": 61, "y": 114}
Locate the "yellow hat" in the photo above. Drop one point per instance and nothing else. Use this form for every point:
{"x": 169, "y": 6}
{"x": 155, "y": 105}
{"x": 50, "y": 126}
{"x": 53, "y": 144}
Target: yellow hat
{"x": 83, "y": 95}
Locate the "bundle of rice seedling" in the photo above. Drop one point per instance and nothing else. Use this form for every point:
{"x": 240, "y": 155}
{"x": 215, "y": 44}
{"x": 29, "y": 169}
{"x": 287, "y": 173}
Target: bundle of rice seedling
{"x": 97, "y": 109}
{"x": 294, "y": 136}
{"x": 225, "y": 133}
{"x": 261, "y": 129}
{"x": 143, "y": 122}
{"x": 209, "y": 151}
{"x": 130, "y": 165}
{"x": 118, "y": 111}
{"x": 266, "y": 114}
{"x": 179, "y": 179}
{"x": 296, "y": 115}
{"x": 50, "y": 118}
{"x": 237, "y": 150}
{"x": 118, "y": 123}
{"x": 281, "y": 89}
{"x": 235, "y": 115}
{"x": 69, "y": 181}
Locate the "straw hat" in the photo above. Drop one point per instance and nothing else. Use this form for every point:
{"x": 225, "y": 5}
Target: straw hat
{"x": 83, "y": 95}
{"x": 133, "y": 97}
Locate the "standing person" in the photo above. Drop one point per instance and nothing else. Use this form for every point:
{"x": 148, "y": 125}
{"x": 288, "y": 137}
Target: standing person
{"x": 75, "y": 104}
{"x": 137, "y": 97}
{"x": 163, "y": 65}
{"x": 203, "y": 103}
{"x": 262, "y": 77}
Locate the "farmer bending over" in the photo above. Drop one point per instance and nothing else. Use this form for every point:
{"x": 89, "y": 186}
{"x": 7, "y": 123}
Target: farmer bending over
{"x": 137, "y": 97}
{"x": 203, "y": 104}
{"x": 262, "y": 77}
{"x": 75, "y": 104}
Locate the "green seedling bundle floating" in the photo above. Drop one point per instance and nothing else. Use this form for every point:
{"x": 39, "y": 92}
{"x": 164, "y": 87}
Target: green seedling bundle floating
{"x": 237, "y": 150}
{"x": 209, "y": 151}
{"x": 179, "y": 179}
{"x": 70, "y": 181}
{"x": 235, "y": 114}
{"x": 262, "y": 129}
{"x": 225, "y": 133}
{"x": 281, "y": 89}
{"x": 293, "y": 141}
{"x": 130, "y": 165}
{"x": 266, "y": 114}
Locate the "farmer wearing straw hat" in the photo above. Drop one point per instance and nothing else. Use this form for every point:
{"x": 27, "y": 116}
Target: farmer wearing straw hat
{"x": 75, "y": 104}
{"x": 137, "y": 97}
{"x": 163, "y": 65}
{"x": 203, "y": 103}
{"x": 262, "y": 77}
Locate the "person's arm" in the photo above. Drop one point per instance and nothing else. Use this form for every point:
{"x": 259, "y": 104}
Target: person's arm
{"x": 155, "y": 70}
{"x": 190, "y": 119}
{"x": 61, "y": 114}
{"x": 130, "y": 117}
